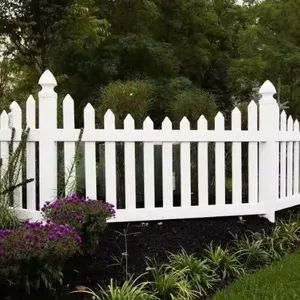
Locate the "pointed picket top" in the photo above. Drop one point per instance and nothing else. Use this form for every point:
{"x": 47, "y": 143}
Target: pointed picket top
{"x": 30, "y": 101}
{"x": 236, "y": 118}
{"x": 236, "y": 112}
{"x": 148, "y": 124}
{"x": 14, "y": 106}
{"x": 4, "y": 120}
{"x": 202, "y": 123}
{"x": 89, "y": 116}
{"x": 109, "y": 120}
{"x": 68, "y": 112}
{"x": 167, "y": 124}
{"x": 267, "y": 88}
{"x": 129, "y": 122}
{"x": 283, "y": 121}
{"x": 252, "y": 104}
{"x": 68, "y": 101}
{"x": 283, "y": 115}
{"x": 290, "y": 123}
{"x": 47, "y": 80}
{"x": 219, "y": 121}
{"x": 185, "y": 123}
{"x": 30, "y": 112}
{"x": 296, "y": 125}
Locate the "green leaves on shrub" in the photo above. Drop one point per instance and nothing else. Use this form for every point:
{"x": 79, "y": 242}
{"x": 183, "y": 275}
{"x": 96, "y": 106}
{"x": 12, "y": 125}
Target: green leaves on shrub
{"x": 170, "y": 284}
{"x": 197, "y": 271}
{"x": 129, "y": 290}
{"x": 252, "y": 251}
{"x": 224, "y": 262}
{"x": 126, "y": 97}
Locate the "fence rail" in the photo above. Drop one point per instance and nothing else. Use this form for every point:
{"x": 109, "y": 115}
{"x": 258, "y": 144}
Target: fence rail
{"x": 271, "y": 169}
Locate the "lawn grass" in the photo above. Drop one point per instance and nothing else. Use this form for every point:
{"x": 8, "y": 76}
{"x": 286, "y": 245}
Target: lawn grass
{"x": 280, "y": 281}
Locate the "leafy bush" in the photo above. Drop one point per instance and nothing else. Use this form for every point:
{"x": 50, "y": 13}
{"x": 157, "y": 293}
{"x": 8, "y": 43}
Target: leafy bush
{"x": 192, "y": 104}
{"x": 126, "y": 97}
{"x": 87, "y": 216}
{"x": 170, "y": 284}
{"x": 224, "y": 262}
{"x": 198, "y": 272}
{"x": 34, "y": 255}
{"x": 130, "y": 290}
{"x": 253, "y": 251}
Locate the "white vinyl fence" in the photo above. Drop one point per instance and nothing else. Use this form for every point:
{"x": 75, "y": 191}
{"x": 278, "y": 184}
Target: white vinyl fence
{"x": 272, "y": 171}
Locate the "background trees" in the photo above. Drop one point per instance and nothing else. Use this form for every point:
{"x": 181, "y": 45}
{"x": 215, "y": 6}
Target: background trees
{"x": 215, "y": 51}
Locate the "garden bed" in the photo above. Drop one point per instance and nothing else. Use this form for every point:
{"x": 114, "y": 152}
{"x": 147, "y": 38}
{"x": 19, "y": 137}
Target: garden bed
{"x": 151, "y": 240}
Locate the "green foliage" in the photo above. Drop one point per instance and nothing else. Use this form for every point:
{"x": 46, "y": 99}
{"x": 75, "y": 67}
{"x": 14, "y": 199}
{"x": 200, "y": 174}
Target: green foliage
{"x": 226, "y": 263}
{"x": 198, "y": 272}
{"x": 170, "y": 284}
{"x": 193, "y": 104}
{"x": 129, "y": 290}
{"x": 10, "y": 174}
{"x": 8, "y": 218}
{"x": 253, "y": 251}
{"x": 122, "y": 98}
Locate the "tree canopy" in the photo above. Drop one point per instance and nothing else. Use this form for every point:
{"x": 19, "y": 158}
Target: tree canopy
{"x": 214, "y": 52}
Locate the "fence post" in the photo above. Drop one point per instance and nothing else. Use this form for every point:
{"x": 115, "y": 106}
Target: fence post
{"x": 47, "y": 144}
{"x": 269, "y": 150}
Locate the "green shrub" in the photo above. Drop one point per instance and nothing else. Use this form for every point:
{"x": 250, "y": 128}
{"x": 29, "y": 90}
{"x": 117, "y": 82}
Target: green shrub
{"x": 170, "y": 284}
{"x": 129, "y": 290}
{"x": 253, "y": 252}
{"x": 87, "y": 216}
{"x": 224, "y": 262}
{"x": 192, "y": 104}
{"x": 126, "y": 97}
{"x": 34, "y": 254}
{"x": 198, "y": 272}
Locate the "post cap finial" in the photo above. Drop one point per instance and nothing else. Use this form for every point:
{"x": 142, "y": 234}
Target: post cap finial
{"x": 47, "y": 79}
{"x": 267, "y": 88}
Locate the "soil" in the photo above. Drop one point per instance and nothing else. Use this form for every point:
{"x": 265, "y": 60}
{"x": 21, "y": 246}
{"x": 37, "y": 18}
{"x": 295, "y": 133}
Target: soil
{"x": 153, "y": 240}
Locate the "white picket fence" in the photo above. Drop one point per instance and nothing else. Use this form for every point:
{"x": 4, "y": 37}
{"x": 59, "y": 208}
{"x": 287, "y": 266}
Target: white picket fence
{"x": 273, "y": 158}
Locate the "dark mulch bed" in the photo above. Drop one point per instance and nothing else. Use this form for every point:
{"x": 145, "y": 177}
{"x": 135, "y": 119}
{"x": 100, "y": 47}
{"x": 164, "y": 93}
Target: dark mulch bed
{"x": 152, "y": 240}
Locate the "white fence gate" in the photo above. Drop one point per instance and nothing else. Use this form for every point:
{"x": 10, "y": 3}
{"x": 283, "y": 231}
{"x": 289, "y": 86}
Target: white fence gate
{"x": 273, "y": 158}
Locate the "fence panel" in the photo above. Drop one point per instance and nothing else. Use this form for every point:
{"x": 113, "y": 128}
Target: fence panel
{"x": 263, "y": 169}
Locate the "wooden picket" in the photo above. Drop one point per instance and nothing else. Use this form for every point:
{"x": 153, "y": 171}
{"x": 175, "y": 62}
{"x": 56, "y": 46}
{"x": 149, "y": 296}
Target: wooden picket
{"x": 17, "y": 125}
{"x": 90, "y": 155}
{"x": 296, "y": 161}
{"x": 185, "y": 166}
{"x": 220, "y": 161}
{"x": 69, "y": 147}
{"x": 167, "y": 161}
{"x": 129, "y": 164}
{"x": 252, "y": 155}
{"x": 31, "y": 152}
{"x": 290, "y": 160}
{"x": 266, "y": 165}
{"x": 202, "y": 164}
{"x": 283, "y": 157}
{"x": 236, "y": 124}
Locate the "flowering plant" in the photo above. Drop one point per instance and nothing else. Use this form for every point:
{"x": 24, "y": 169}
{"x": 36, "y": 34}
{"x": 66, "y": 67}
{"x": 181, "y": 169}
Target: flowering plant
{"x": 34, "y": 255}
{"x": 87, "y": 216}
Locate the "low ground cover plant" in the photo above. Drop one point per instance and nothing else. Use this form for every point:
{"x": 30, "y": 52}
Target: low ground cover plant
{"x": 33, "y": 255}
{"x": 88, "y": 217}
{"x": 197, "y": 271}
{"x": 186, "y": 276}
